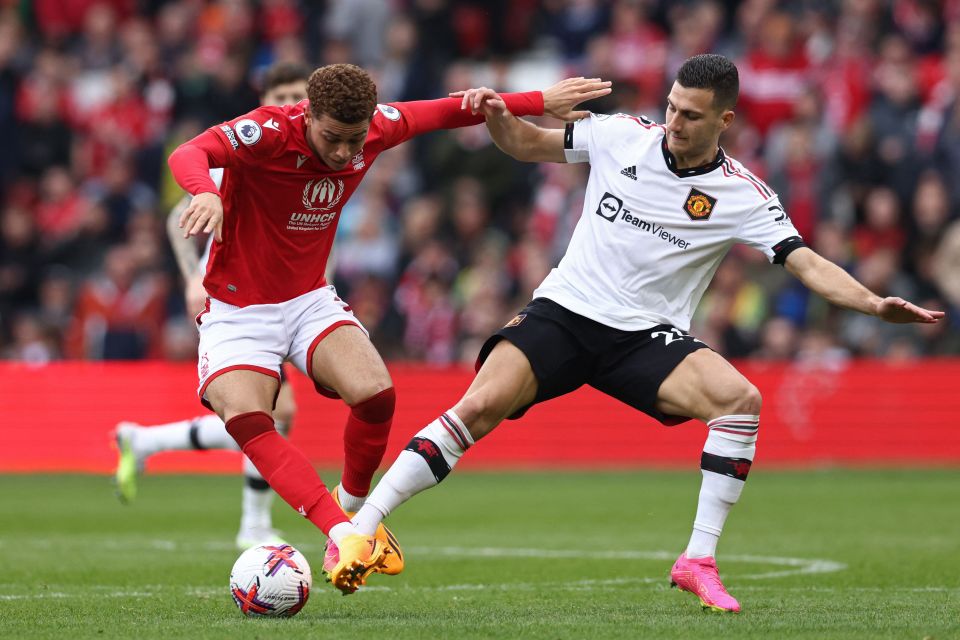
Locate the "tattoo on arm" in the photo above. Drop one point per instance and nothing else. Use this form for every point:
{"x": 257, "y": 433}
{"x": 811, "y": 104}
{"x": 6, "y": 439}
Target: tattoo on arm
{"x": 184, "y": 249}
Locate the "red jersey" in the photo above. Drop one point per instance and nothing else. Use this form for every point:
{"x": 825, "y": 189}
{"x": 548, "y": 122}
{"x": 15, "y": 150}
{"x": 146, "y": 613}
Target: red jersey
{"x": 281, "y": 203}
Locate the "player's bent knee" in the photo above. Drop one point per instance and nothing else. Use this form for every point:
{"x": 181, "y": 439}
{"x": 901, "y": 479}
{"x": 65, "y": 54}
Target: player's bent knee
{"x": 239, "y": 392}
{"x": 364, "y": 387}
{"x": 735, "y": 395}
{"x": 244, "y": 427}
{"x": 742, "y": 398}
{"x": 377, "y": 408}
{"x": 753, "y": 401}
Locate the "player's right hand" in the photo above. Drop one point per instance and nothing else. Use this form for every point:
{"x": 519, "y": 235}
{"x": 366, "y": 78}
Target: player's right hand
{"x": 195, "y": 295}
{"x": 204, "y": 215}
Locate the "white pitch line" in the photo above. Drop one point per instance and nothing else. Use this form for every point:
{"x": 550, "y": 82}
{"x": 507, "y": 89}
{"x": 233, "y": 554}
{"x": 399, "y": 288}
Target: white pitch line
{"x": 58, "y": 595}
{"x": 798, "y": 566}
{"x": 802, "y": 565}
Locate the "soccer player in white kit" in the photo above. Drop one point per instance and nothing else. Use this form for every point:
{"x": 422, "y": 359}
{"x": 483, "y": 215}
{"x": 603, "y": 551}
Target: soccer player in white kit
{"x": 663, "y": 206}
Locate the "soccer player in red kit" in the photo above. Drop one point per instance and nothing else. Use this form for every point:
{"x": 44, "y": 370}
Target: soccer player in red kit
{"x": 292, "y": 169}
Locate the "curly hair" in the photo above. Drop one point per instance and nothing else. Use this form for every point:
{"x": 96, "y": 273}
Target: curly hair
{"x": 344, "y": 92}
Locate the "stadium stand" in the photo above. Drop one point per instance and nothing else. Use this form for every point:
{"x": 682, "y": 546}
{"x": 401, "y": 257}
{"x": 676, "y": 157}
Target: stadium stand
{"x": 849, "y": 111}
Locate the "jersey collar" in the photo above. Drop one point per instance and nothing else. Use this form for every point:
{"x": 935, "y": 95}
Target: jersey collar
{"x": 671, "y": 161}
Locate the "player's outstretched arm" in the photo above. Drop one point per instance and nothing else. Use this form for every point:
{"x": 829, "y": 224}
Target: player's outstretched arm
{"x": 559, "y": 101}
{"x": 524, "y": 140}
{"x": 514, "y": 136}
{"x": 840, "y": 288}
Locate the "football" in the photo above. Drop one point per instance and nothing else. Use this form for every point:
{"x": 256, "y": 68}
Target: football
{"x": 270, "y": 581}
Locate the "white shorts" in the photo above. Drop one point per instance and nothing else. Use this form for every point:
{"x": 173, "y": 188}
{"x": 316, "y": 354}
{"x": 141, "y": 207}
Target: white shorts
{"x": 260, "y": 337}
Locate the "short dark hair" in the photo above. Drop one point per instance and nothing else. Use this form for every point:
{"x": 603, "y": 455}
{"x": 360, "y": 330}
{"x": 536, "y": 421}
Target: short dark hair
{"x": 345, "y": 92}
{"x": 284, "y": 73}
{"x": 714, "y": 72}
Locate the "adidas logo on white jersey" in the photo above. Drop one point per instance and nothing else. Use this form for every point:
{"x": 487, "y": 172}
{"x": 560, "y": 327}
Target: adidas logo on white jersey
{"x": 630, "y": 172}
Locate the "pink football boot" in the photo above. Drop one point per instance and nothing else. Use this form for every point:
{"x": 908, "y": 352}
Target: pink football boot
{"x": 699, "y": 576}
{"x": 331, "y": 556}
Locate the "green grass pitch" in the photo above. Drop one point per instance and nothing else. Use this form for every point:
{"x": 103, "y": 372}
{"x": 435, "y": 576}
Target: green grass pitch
{"x": 821, "y": 554}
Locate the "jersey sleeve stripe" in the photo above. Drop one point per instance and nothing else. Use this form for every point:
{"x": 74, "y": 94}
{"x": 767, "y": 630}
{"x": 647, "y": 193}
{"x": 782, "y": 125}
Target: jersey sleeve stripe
{"x": 758, "y": 181}
{"x": 642, "y": 121}
{"x": 568, "y": 136}
{"x": 730, "y": 172}
{"x": 767, "y": 191}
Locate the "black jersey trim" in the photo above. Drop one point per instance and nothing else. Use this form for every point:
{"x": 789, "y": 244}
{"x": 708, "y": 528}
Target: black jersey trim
{"x": 761, "y": 186}
{"x": 671, "y": 161}
{"x": 785, "y": 247}
{"x": 568, "y": 136}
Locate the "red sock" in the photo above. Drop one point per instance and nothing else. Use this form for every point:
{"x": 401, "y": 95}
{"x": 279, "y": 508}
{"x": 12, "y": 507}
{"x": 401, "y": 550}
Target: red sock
{"x": 286, "y": 469}
{"x": 365, "y": 441}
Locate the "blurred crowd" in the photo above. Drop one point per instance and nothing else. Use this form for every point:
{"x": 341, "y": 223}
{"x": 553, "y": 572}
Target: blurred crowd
{"x": 849, "y": 109}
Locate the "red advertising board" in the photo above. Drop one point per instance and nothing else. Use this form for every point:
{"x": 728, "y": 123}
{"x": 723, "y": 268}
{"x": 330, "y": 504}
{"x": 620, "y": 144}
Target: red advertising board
{"x": 59, "y": 418}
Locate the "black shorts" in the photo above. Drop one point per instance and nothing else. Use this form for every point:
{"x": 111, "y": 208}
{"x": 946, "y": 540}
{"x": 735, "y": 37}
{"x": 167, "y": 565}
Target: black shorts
{"x": 567, "y": 350}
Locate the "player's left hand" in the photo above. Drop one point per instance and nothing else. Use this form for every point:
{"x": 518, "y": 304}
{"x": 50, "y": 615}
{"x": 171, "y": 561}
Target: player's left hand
{"x": 900, "y": 311}
{"x": 560, "y": 99}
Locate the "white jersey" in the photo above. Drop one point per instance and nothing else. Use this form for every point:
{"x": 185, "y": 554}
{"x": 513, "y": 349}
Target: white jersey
{"x": 651, "y": 236}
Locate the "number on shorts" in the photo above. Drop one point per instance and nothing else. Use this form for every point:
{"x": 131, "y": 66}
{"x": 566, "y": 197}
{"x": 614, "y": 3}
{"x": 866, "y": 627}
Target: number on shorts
{"x": 671, "y": 335}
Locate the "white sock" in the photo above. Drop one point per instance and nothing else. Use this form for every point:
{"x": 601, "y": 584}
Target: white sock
{"x": 727, "y": 454}
{"x": 257, "y": 504}
{"x": 209, "y": 432}
{"x": 340, "y": 531}
{"x": 202, "y": 432}
{"x": 350, "y": 503}
{"x": 717, "y": 494}
{"x": 427, "y": 460}
{"x": 257, "y": 499}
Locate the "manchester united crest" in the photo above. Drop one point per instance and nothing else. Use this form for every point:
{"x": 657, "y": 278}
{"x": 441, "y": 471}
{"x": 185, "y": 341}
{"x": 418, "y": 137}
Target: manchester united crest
{"x": 699, "y": 205}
